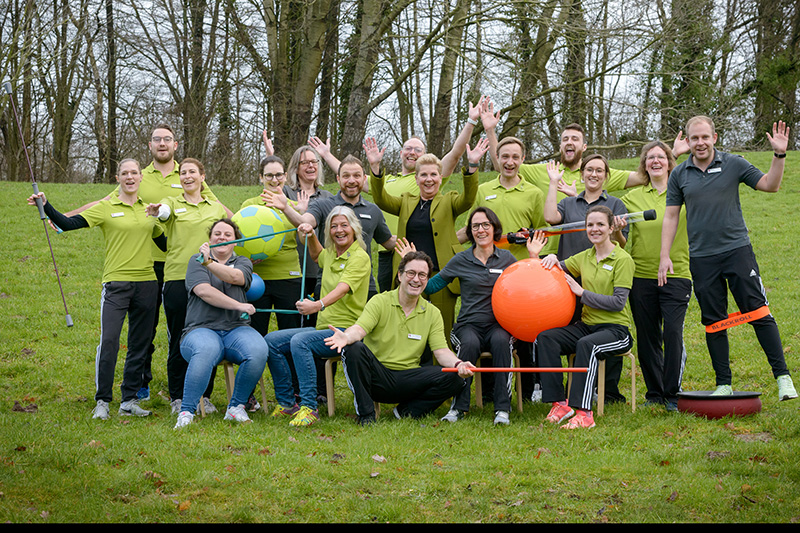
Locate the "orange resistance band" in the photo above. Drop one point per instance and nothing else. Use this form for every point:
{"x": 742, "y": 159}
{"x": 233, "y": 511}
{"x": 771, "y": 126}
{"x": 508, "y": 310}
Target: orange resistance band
{"x": 734, "y": 319}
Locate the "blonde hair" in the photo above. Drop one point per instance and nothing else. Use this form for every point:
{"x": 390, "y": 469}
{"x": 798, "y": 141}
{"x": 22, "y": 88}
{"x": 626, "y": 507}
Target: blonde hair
{"x": 428, "y": 159}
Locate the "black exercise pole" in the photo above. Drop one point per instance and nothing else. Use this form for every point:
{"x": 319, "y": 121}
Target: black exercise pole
{"x": 39, "y": 203}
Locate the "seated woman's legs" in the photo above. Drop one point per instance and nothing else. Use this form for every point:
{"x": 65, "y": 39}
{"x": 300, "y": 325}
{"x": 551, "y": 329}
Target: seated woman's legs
{"x": 245, "y": 347}
{"x": 279, "y": 347}
{"x": 306, "y": 346}
{"x": 203, "y": 350}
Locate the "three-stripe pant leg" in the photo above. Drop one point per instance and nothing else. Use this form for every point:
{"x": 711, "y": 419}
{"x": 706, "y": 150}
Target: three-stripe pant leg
{"x": 603, "y": 340}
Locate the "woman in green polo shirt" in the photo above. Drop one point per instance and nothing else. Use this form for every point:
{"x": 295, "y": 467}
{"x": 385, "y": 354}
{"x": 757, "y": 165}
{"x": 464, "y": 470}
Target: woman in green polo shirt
{"x": 606, "y": 274}
{"x": 658, "y": 312}
{"x": 281, "y": 273}
{"x": 129, "y": 284}
{"x": 346, "y": 269}
{"x": 185, "y": 219}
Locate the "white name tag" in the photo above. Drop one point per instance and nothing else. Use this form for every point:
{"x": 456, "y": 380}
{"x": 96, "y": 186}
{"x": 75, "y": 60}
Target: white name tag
{"x": 292, "y": 273}
{"x": 491, "y": 197}
{"x": 495, "y": 271}
{"x": 714, "y": 170}
{"x": 115, "y": 215}
{"x": 415, "y": 337}
{"x": 608, "y": 267}
{"x": 176, "y": 186}
{"x": 181, "y": 210}
{"x": 341, "y": 266}
{"x": 362, "y": 215}
{"x": 391, "y": 180}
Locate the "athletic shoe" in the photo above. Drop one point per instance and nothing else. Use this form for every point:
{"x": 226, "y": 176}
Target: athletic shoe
{"x": 786, "y": 390}
{"x": 238, "y": 413}
{"x": 252, "y": 404}
{"x": 454, "y": 415}
{"x": 501, "y": 417}
{"x": 131, "y": 408}
{"x": 304, "y": 417}
{"x": 208, "y": 407}
{"x": 184, "y": 419}
{"x": 101, "y": 410}
{"x": 536, "y": 395}
{"x": 560, "y": 412}
{"x": 671, "y": 406}
{"x": 284, "y": 411}
{"x": 584, "y": 419}
{"x": 723, "y": 390}
{"x": 144, "y": 394}
{"x": 366, "y": 420}
{"x": 175, "y": 406}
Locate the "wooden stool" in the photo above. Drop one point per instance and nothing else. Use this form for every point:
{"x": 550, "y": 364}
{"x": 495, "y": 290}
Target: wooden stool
{"x": 230, "y": 380}
{"x": 601, "y": 380}
{"x": 479, "y": 388}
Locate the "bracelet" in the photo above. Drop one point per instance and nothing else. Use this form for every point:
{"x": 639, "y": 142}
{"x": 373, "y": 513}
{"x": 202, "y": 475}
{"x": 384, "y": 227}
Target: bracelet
{"x": 472, "y": 121}
{"x": 209, "y": 261}
{"x": 322, "y": 305}
{"x": 779, "y": 156}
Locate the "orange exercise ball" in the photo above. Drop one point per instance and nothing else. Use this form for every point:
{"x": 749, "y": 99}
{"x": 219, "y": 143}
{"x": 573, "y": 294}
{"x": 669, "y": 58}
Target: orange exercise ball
{"x": 528, "y": 299}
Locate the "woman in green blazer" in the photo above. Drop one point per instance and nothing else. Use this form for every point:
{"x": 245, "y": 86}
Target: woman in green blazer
{"x": 428, "y": 219}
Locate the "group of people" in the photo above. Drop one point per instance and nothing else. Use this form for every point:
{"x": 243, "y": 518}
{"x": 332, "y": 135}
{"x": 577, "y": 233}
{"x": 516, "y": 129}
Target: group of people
{"x": 165, "y": 241}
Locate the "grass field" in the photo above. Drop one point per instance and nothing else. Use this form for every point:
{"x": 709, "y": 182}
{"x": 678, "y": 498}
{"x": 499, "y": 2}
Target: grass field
{"x": 57, "y": 465}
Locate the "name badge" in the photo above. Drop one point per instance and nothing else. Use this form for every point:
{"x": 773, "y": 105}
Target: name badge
{"x": 491, "y": 197}
{"x": 495, "y": 271}
{"x": 714, "y": 170}
{"x": 180, "y": 210}
{"x": 391, "y": 180}
{"x": 608, "y": 267}
{"x": 341, "y": 266}
{"x": 364, "y": 215}
{"x": 176, "y": 186}
{"x": 293, "y": 273}
{"x": 415, "y": 337}
{"x": 115, "y": 215}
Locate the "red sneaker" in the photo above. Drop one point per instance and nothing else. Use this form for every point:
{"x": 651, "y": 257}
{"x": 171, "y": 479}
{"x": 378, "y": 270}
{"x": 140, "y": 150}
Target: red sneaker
{"x": 560, "y": 412}
{"x": 584, "y": 419}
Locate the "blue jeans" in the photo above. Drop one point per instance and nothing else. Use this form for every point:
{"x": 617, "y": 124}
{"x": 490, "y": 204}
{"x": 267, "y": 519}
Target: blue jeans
{"x": 205, "y": 348}
{"x": 303, "y": 344}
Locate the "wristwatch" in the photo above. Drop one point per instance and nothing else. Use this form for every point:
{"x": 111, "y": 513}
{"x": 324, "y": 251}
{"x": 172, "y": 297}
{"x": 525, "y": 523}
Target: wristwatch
{"x": 779, "y": 156}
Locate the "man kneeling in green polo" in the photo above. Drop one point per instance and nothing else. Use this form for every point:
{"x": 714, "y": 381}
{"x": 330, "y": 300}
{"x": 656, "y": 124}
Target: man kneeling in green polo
{"x": 381, "y": 351}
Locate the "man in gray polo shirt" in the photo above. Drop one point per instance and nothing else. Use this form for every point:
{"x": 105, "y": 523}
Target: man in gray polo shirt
{"x": 720, "y": 254}
{"x": 351, "y": 179}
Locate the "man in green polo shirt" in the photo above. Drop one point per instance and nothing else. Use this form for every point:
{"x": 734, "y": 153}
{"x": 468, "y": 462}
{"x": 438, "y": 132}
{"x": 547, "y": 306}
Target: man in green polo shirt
{"x": 381, "y": 351}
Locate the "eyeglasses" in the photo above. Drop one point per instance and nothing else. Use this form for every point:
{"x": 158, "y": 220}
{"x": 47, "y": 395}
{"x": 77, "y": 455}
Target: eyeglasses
{"x": 411, "y": 274}
{"x": 598, "y": 171}
{"x": 309, "y": 162}
{"x": 159, "y": 139}
{"x": 271, "y": 177}
{"x": 414, "y": 149}
{"x": 481, "y": 225}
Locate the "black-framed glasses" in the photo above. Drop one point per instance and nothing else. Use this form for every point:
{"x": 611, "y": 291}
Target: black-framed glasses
{"x": 481, "y": 225}
{"x": 271, "y": 177}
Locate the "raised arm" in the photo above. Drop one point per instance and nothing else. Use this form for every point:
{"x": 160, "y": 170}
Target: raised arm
{"x": 771, "y": 181}
{"x": 450, "y": 159}
{"x": 490, "y": 120}
{"x": 551, "y": 214}
{"x": 324, "y": 151}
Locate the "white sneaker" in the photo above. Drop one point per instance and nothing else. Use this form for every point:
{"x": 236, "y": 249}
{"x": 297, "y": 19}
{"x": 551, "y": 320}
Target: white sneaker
{"x": 175, "y": 406}
{"x": 131, "y": 408}
{"x": 208, "y": 407}
{"x": 184, "y": 419}
{"x": 238, "y": 413}
{"x": 101, "y": 410}
{"x": 453, "y": 415}
{"x": 501, "y": 417}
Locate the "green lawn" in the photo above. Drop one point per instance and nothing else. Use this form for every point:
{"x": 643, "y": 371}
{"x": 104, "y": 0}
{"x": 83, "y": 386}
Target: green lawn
{"x": 57, "y": 465}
